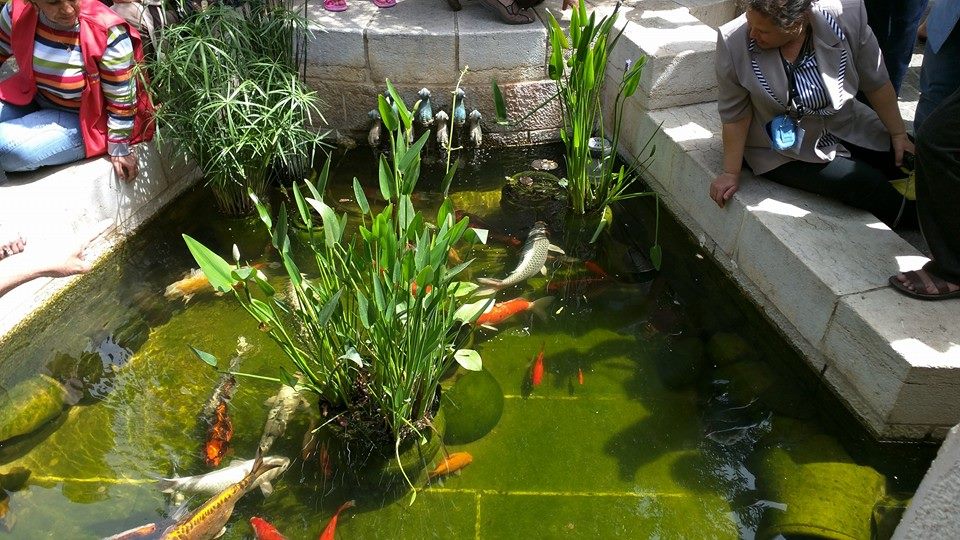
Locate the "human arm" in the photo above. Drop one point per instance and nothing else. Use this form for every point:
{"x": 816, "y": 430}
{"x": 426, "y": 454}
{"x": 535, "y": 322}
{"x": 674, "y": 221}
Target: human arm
{"x": 6, "y": 25}
{"x": 120, "y": 93}
{"x": 54, "y": 260}
{"x": 736, "y": 114}
{"x": 884, "y": 102}
{"x": 734, "y": 136}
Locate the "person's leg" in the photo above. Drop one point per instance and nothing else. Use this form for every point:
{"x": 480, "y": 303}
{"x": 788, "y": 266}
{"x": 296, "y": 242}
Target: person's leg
{"x": 849, "y": 181}
{"x": 939, "y": 76}
{"x": 895, "y": 25}
{"x": 938, "y": 188}
{"x": 44, "y": 137}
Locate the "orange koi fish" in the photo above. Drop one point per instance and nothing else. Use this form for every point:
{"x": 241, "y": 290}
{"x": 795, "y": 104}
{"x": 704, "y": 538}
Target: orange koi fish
{"x": 218, "y": 437}
{"x": 414, "y": 288}
{"x": 452, "y": 464}
{"x": 580, "y": 375}
{"x": 194, "y": 282}
{"x": 537, "y": 375}
{"x": 263, "y": 530}
{"x": 331, "y": 528}
{"x": 453, "y": 257}
{"x": 595, "y": 269}
{"x": 504, "y": 310}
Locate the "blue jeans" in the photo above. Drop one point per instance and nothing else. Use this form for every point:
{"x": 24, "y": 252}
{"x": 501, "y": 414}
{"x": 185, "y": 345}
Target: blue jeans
{"x": 895, "y": 25}
{"x": 31, "y": 137}
{"x": 939, "y": 76}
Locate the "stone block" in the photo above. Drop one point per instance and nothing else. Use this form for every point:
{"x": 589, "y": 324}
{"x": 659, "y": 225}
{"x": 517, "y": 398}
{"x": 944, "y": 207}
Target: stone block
{"x": 413, "y": 43}
{"x": 903, "y": 355}
{"x": 521, "y": 99}
{"x": 713, "y": 13}
{"x": 933, "y": 510}
{"x": 494, "y": 50}
{"x": 336, "y": 42}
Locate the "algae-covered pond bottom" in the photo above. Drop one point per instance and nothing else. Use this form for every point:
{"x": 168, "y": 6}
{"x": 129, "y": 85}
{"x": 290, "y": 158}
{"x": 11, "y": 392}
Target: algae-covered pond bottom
{"x": 693, "y": 418}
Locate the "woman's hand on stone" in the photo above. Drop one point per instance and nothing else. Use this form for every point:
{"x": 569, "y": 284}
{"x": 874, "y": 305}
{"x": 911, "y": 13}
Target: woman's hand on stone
{"x": 900, "y": 144}
{"x": 723, "y": 187}
{"x": 125, "y": 167}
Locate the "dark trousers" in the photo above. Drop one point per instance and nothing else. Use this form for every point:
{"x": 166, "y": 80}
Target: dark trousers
{"x": 861, "y": 181}
{"x": 895, "y": 23}
{"x": 938, "y": 187}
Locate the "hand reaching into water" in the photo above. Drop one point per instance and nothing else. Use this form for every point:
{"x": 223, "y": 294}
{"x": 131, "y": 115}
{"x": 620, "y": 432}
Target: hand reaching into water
{"x": 125, "y": 167}
{"x": 723, "y": 187}
{"x": 56, "y": 257}
{"x": 569, "y": 4}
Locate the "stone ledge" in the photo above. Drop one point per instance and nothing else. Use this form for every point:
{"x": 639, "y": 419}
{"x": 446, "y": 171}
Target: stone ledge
{"x": 54, "y": 204}
{"x": 820, "y": 269}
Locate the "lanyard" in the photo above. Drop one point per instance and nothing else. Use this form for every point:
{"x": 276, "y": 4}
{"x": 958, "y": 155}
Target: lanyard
{"x": 795, "y": 109}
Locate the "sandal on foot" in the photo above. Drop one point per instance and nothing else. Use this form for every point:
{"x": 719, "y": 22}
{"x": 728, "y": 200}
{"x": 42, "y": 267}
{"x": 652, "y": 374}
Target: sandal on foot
{"x": 384, "y": 3}
{"x": 921, "y": 281}
{"x": 509, "y": 14}
{"x": 335, "y": 5}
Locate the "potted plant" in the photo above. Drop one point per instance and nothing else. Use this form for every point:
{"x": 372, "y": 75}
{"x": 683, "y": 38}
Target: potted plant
{"x": 378, "y": 325}
{"x": 231, "y": 98}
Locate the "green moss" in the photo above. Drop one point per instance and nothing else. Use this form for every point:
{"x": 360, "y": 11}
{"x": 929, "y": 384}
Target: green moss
{"x": 29, "y": 405}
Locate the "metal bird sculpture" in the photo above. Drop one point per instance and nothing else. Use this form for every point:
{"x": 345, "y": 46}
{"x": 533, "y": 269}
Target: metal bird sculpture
{"x": 459, "y": 110}
{"x": 475, "y": 135}
{"x": 373, "y": 136}
{"x": 441, "y": 120}
{"x": 425, "y": 110}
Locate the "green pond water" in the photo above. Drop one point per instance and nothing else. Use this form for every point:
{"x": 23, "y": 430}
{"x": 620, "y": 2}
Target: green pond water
{"x": 694, "y": 418}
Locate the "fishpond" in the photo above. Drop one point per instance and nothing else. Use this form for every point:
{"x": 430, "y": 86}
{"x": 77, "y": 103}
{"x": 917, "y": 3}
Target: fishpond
{"x": 641, "y": 404}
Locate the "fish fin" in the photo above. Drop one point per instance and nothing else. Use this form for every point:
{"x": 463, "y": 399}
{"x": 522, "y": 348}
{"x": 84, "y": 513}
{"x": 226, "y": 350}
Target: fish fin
{"x": 556, "y": 249}
{"x": 539, "y": 307}
{"x": 488, "y": 291}
{"x": 234, "y": 462}
{"x": 167, "y": 485}
{"x": 543, "y": 270}
{"x": 270, "y": 401}
{"x": 186, "y": 298}
{"x": 221, "y": 533}
{"x": 490, "y": 282}
{"x": 489, "y": 327}
{"x": 266, "y": 488}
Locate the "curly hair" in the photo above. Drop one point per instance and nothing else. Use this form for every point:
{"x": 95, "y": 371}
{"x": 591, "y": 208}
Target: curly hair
{"x": 784, "y": 13}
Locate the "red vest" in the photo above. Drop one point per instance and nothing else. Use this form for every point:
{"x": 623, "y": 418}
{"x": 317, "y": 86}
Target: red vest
{"x": 95, "y": 20}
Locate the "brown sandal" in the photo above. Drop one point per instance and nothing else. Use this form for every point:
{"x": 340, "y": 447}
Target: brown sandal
{"x": 511, "y": 14}
{"x": 925, "y": 280}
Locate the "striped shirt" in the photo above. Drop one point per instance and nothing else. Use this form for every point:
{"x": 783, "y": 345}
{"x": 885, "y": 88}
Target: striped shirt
{"x": 58, "y": 69}
{"x": 808, "y": 83}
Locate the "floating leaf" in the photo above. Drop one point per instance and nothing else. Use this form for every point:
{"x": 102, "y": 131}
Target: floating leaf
{"x": 469, "y": 359}
{"x": 205, "y": 356}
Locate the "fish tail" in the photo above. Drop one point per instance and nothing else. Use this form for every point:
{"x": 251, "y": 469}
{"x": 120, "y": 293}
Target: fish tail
{"x": 539, "y": 307}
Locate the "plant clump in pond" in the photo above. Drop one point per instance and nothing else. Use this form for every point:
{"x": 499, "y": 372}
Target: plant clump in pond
{"x": 377, "y": 327}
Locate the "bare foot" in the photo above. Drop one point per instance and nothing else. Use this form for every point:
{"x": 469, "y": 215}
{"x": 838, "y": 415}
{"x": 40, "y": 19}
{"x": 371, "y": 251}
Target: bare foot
{"x": 11, "y": 242}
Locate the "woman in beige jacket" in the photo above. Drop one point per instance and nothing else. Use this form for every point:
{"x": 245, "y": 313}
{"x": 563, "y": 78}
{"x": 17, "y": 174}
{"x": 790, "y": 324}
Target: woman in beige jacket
{"x": 788, "y": 71}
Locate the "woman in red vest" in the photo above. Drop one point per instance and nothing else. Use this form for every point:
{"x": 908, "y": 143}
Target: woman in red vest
{"x": 74, "y": 93}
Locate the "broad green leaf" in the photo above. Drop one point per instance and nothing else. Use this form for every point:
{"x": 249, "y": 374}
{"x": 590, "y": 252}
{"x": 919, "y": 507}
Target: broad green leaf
{"x": 448, "y": 178}
{"x": 555, "y": 29}
{"x": 280, "y": 231}
{"x": 656, "y": 256}
{"x": 218, "y": 271}
{"x": 386, "y": 114}
{"x": 386, "y": 179}
{"x": 331, "y": 225}
{"x": 405, "y": 116}
{"x": 360, "y": 196}
{"x": 363, "y": 309}
{"x": 328, "y": 308}
{"x": 589, "y": 75}
{"x": 606, "y": 220}
{"x": 413, "y": 152}
{"x": 474, "y": 234}
{"x": 287, "y": 378}
{"x": 463, "y": 288}
{"x": 499, "y": 106}
{"x": 261, "y": 209}
{"x": 205, "y": 356}
{"x": 352, "y": 355}
{"x": 302, "y": 208}
{"x": 322, "y": 179}
{"x": 469, "y": 359}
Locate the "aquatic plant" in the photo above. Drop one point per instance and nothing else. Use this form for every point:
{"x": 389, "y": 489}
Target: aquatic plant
{"x": 379, "y": 324}
{"x": 578, "y": 65}
{"x": 230, "y": 97}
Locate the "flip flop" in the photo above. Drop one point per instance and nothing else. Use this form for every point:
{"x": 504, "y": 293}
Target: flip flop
{"x": 384, "y": 3}
{"x": 926, "y": 279}
{"x": 335, "y": 5}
